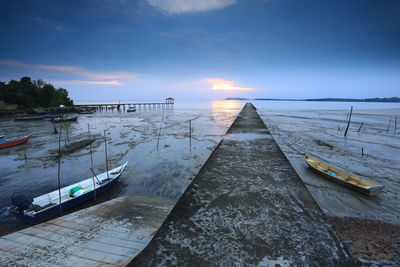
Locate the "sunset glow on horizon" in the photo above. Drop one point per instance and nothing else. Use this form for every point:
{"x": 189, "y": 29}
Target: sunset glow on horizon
{"x": 224, "y": 85}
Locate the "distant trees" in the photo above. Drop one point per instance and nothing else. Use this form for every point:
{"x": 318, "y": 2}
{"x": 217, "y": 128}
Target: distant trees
{"x": 28, "y": 93}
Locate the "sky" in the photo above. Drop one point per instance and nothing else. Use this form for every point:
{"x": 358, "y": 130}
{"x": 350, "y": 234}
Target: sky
{"x": 204, "y": 49}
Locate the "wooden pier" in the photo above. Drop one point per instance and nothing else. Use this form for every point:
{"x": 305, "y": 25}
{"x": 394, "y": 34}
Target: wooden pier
{"x": 108, "y": 234}
{"x": 168, "y": 104}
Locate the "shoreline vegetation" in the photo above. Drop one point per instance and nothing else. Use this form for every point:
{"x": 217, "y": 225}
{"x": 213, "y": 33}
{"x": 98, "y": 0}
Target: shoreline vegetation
{"x": 28, "y": 96}
{"x": 375, "y": 99}
{"x": 31, "y": 94}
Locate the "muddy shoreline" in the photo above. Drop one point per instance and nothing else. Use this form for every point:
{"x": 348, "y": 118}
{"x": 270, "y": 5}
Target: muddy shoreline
{"x": 160, "y": 165}
{"x": 369, "y": 241}
{"x": 369, "y": 226}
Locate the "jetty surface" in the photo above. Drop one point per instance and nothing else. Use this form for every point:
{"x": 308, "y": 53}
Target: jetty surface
{"x": 108, "y": 234}
{"x": 246, "y": 206}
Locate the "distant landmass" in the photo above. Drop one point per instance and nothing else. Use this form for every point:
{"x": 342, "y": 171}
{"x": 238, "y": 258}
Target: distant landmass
{"x": 278, "y": 99}
{"x": 236, "y": 98}
{"x": 376, "y": 99}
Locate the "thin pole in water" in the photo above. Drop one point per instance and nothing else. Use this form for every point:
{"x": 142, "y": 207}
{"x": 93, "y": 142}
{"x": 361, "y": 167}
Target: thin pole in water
{"x": 359, "y": 129}
{"x": 390, "y": 120}
{"x": 159, "y": 131}
{"x": 91, "y": 163}
{"x": 395, "y": 125}
{"x": 190, "y": 133}
{"x": 59, "y": 169}
{"x": 90, "y": 147}
{"x": 348, "y": 123}
{"x": 105, "y": 147}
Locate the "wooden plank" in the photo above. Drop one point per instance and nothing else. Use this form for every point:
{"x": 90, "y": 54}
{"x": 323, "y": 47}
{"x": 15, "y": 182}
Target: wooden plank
{"x": 107, "y": 234}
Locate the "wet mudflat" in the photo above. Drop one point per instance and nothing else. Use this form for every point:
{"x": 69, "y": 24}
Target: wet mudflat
{"x": 165, "y": 171}
{"x": 372, "y": 153}
{"x": 371, "y": 149}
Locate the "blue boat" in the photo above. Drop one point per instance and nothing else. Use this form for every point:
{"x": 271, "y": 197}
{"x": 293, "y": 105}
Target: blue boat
{"x": 32, "y": 118}
{"x": 46, "y": 206}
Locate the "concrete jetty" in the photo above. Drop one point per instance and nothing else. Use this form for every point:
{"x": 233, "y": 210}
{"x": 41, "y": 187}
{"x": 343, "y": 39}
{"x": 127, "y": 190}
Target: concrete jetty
{"x": 246, "y": 206}
{"x": 108, "y": 234}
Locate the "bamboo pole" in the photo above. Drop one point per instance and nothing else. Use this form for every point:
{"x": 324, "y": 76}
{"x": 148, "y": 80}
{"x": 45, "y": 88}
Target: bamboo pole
{"x": 190, "y": 133}
{"x": 348, "y": 123}
{"x": 359, "y": 129}
{"x": 59, "y": 169}
{"x": 387, "y": 130}
{"x": 91, "y": 163}
{"x": 105, "y": 147}
{"x": 395, "y": 125}
{"x": 159, "y": 131}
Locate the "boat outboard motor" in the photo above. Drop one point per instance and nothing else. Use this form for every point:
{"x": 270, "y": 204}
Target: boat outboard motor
{"x": 21, "y": 201}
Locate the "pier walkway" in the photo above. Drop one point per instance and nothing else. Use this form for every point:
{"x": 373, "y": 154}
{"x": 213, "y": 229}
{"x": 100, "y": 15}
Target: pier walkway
{"x": 246, "y": 206}
{"x": 108, "y": 234}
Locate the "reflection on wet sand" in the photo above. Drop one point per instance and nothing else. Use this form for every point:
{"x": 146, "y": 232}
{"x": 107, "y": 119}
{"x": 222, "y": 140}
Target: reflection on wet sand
{"x": 132, "y": 137}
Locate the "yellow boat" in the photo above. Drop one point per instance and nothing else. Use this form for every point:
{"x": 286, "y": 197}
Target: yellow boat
{"x": 349, "y": 180}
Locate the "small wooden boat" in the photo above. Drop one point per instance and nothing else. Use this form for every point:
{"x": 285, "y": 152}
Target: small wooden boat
{"x": 75, "y": 118}
{"x": 14, "y": 141}
{"x": 1, "y": 136}
{"x": 341, "y": 177}
{"x": 51, "y": 116}
{"x": 87, "y": 112}
{"x": 32, "y": 118}
{"x": 131, "y": 109}
{"x": 48, "y": 205}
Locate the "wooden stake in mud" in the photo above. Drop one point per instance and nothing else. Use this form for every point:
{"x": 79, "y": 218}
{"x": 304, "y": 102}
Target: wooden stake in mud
{"x": 159, "y": 131}
{"x": 91, "y": 163}
{"x": 359, "y": 129}
{"x": 190, "y": 133}
{"x": 59, "y": 169}
{"x": 90, "y": 147}
{"x": 348, "y": 123}
{"x": 387, "y": 130}
{"x": 105, "y": 147}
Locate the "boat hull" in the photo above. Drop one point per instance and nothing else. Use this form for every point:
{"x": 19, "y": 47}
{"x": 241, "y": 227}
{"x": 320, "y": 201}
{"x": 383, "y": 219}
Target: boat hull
{"x": 67, "y": 205}
{"x": 30, "y": 118}
{"x": 15, "y": 142}
{"x": 370, "y": 191}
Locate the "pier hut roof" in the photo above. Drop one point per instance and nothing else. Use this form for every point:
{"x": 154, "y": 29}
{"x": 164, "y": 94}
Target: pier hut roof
{"x": 169, "y": 98}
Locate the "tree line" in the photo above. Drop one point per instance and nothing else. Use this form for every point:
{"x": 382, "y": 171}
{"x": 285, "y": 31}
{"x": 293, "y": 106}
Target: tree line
{"x": 37, "y": 93}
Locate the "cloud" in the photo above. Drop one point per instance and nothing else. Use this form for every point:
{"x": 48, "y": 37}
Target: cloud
{"x": 224, "y": 85}
{"x": 189, "y": 6}
{"x": 52, "y": 24}
{"x": 104, "y": 83}
{"x": 63, "y": 82}
{"x": 110, "y": 78}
